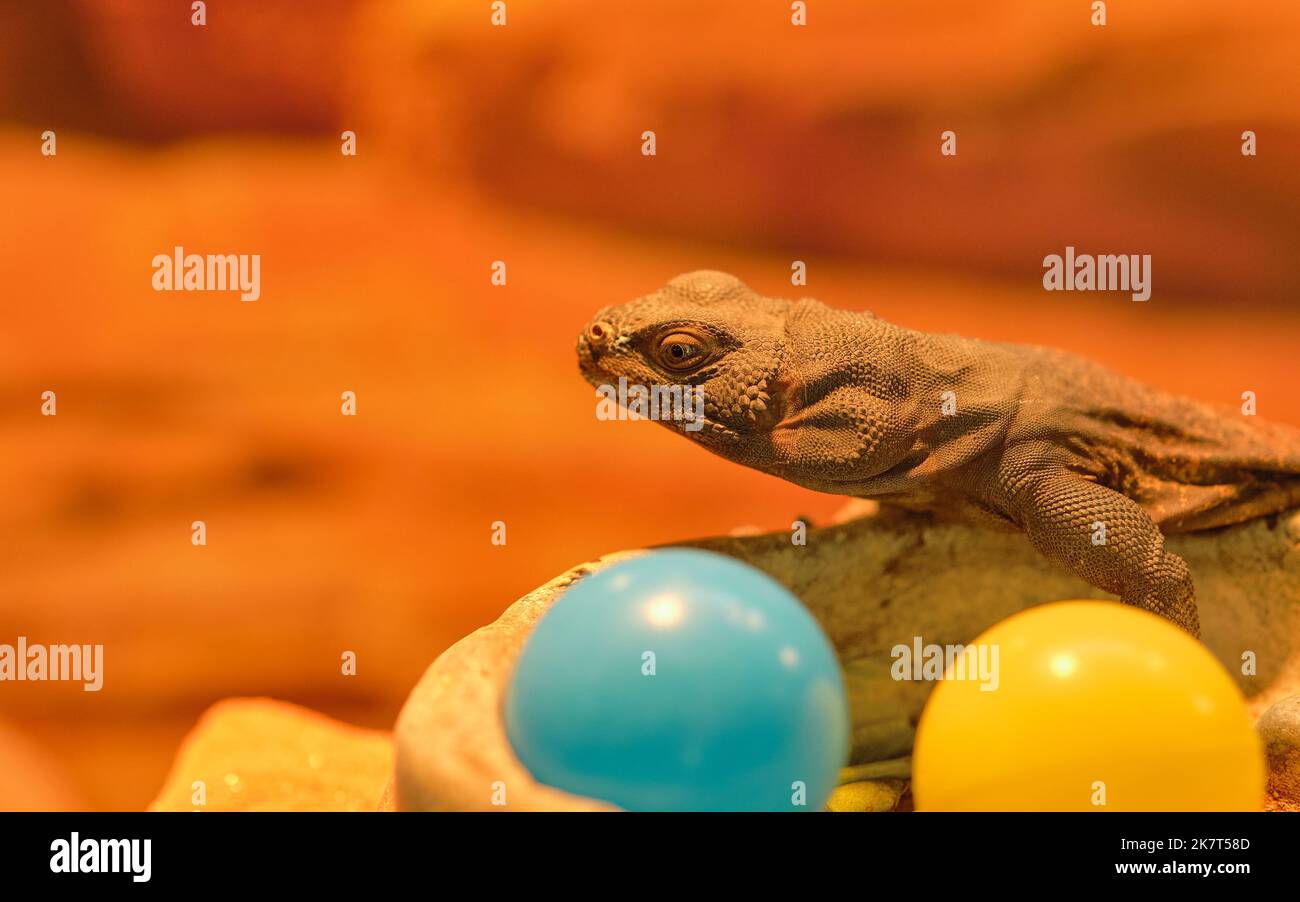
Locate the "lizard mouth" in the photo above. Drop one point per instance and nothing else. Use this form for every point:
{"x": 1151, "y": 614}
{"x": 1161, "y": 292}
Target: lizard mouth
{"x": 589, "y": 365}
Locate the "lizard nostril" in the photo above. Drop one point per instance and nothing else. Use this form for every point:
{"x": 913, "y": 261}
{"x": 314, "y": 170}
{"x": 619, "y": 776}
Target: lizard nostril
{"x": 598, "y": 333}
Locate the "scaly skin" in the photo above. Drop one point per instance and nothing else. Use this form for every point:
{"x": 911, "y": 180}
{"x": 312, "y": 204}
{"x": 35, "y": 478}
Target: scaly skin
{"x": 1093, "y": 467}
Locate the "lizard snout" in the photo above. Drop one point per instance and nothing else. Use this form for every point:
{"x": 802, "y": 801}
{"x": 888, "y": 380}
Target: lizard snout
{"x": 598, "y": 334}
{"x": 593, "y": 341}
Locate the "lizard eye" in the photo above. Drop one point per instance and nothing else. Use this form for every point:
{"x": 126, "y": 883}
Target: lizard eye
{"x": 680, "y": 351}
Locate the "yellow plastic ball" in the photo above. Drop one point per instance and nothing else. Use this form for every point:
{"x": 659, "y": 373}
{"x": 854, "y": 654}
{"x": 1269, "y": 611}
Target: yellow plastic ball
{"x": 1096, "y": 706}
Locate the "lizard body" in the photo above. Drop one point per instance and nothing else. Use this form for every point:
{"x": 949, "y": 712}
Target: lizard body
{"x": 1095, "y": 468}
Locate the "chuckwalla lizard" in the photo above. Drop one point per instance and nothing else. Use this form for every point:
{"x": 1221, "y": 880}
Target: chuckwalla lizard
{"x": 1094, "y": 467}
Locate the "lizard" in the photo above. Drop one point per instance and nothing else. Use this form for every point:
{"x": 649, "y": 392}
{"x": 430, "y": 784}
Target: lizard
{"x": 1095, "y": 468}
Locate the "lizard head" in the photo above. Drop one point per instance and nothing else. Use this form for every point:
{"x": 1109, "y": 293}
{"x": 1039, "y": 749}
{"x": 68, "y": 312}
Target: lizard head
{"x": 705, "y": 333}
{"x": 764, "y": 376}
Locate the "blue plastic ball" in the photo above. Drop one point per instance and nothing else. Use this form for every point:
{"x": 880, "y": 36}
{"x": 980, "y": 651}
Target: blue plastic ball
{"x": 681, "y": 680}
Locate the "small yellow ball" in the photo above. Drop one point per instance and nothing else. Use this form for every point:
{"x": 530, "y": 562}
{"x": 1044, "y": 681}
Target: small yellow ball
{"x": 1098, "y": 706}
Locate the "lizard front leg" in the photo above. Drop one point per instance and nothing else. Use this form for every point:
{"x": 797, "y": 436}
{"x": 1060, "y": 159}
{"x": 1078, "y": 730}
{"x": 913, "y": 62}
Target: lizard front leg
{"x": 1107, "y": 539}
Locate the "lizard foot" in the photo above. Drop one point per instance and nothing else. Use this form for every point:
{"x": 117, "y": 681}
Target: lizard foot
{"x": 1168, "y": 591}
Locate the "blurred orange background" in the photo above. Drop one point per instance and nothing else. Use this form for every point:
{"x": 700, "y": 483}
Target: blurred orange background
{"x": 522, "y": 143}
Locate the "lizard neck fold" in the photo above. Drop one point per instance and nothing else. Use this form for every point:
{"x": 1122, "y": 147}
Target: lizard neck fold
{"x": 961, "y": 399}
{"x": 871, "y": 408}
